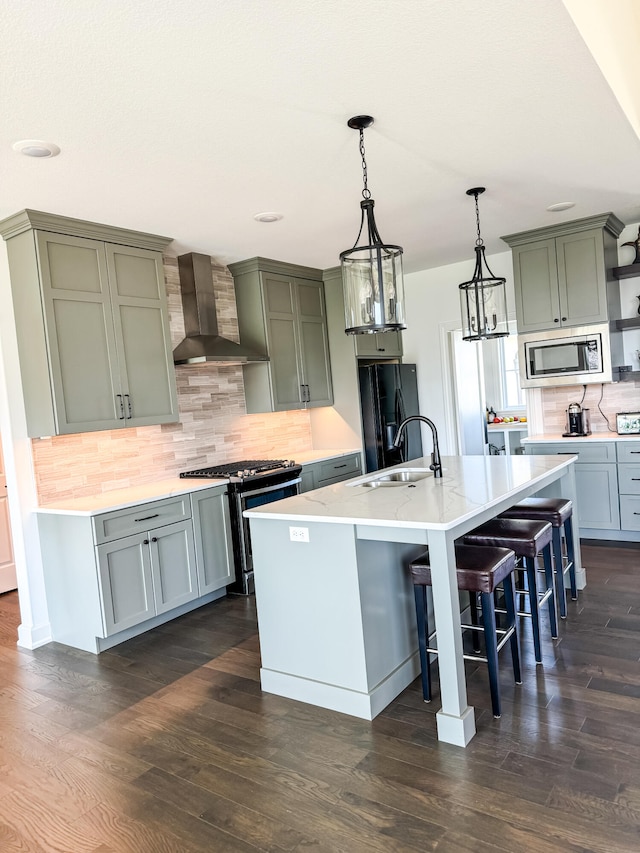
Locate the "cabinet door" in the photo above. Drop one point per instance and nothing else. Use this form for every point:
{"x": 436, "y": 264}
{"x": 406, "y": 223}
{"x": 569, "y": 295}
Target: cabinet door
{"x": 308, "y": 477}
{"x": 581, "y": 278}
{"x": 597, "y": 488}
{"x": 379, "y": 345}
{"x": 314, "y": 343}
{"x": 80, "y": 335}
{"x": 282, "y": 342}
{"x": 142, "y": 337}
{"x": 212, "y": 531}
{"x": 536, "y": 286}
{"x": 126, "y": 587}
{"x": 173, "y": 565}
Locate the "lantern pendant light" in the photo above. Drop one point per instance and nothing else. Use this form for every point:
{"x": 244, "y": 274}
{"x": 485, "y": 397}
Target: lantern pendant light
{"x": 371, "y": 272}
{"x": 483, "y": 300}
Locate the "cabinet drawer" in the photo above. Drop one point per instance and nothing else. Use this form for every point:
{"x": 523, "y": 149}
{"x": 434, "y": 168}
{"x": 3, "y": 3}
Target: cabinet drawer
{"x": 629, "y": 479}
{"x": 601, "y": 451}
{"x": 137, "y": 519}
{"x": 629, "y": 451}
{"x": 338, "y": 469}
{"x": 630, "y": 512}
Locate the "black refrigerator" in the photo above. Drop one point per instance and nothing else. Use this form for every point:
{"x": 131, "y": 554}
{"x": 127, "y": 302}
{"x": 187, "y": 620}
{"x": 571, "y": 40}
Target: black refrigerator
{"x": 388, "y": 394}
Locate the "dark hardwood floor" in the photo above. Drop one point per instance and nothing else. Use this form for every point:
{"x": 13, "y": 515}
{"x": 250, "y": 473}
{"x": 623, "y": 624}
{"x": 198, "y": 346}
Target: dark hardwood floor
{"x": 166, "y": 744}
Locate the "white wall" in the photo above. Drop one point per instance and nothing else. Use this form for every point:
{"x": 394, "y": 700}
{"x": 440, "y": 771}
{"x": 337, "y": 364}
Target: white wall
{"x": 432, "y": 307}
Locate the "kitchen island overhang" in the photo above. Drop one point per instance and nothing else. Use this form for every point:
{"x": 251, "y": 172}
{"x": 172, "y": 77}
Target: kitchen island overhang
{"x": 335, "y": 613}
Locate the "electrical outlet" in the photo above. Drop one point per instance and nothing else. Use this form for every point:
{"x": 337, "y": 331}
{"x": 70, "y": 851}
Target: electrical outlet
{"x": 299, "y": 534}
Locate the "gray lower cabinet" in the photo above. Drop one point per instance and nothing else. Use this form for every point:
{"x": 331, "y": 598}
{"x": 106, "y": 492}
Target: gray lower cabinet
{"x": 379, "y": 345}
{"x": 629, "y": 482}
{"x": 281, "y": 314}
{"x": 212, "y": 528}
{"x": 560, "y": 273}
{"x": 92, "y": 325}
{"x": 596, "y": 473}
{"x": 118, "y": 573}
{"x": 146, "y": 574}
{"x": 315, "y": 475}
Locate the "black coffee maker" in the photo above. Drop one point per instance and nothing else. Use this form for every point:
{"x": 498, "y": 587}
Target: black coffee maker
{"x": 578, "y": 421}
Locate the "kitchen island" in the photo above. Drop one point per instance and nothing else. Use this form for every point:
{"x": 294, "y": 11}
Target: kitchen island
{"x": 334, "y": 599}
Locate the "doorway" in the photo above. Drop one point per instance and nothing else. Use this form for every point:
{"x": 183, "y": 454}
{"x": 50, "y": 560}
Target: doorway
{"x": 8, "y": 579}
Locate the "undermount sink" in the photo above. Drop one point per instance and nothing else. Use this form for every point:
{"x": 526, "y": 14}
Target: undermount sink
{"x": 399, "y": 477}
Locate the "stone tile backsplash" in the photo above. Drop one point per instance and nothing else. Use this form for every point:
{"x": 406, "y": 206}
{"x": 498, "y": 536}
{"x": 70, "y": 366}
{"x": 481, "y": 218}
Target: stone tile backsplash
{"x": 611, "y": 397}
{"x": 213, "y": 427}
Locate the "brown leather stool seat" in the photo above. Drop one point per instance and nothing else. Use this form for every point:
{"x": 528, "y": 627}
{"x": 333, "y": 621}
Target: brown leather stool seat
{"x": 558, "y": 512}
{"x": 527, "y": 539}
{"x": 479, "y": 570}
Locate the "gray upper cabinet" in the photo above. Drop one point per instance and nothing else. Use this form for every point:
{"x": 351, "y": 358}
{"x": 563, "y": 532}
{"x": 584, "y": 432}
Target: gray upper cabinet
{"x": 561, "y": 273}
{"x": 281, "y": 313}
{"x": 379, "y": 345}
{"x": 92, "y": 325}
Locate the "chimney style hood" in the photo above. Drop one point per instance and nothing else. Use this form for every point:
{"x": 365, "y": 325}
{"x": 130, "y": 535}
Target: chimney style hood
{"x": 202, "y": 342}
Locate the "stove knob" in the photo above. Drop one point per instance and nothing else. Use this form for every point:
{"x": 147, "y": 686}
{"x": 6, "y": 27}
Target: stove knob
{"x": 251, "y": 473}
{"x": 240, "y": 473}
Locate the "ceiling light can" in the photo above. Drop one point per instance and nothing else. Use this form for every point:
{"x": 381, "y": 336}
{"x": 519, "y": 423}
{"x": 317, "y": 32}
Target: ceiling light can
{"x": 36, "y": 148}
{"x": 268, "y": 216}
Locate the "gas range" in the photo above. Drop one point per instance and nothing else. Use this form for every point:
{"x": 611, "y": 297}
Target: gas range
{"x": 247, "y": 471}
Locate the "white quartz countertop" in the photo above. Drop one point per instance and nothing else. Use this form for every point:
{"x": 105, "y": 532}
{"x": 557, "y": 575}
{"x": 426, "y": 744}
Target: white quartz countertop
{"x": 594, "y": 437}
{"x": 469, "y": 484}
{"x": 123, "y": 498}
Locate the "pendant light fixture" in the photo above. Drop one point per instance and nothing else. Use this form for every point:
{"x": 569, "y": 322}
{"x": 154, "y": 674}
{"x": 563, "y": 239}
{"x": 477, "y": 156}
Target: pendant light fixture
{"x": 371, "y": 272}
{"x": 483, "y": 300}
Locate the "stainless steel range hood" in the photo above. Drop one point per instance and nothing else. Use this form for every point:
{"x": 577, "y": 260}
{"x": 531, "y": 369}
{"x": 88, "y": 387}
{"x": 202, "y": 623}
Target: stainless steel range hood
{"x": 202, "y": 343}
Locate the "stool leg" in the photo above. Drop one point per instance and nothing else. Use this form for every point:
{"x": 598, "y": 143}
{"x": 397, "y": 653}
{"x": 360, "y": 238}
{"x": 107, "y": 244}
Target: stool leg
{"x": 473, "y": 616}
{"x": 510, "y": 606}
{"x": 548, "y": 573}
{"x": 530, "y": 568}
{"x": 559, "y": 572}
{"x": 491, "y": 644}
{"x": 568, "y": 534}
{"x": 420, "y": 594}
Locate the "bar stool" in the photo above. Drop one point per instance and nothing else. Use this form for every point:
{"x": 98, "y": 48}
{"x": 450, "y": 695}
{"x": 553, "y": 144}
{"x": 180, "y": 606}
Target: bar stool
{"x": 558, "y": 512}
{"x": 478, "y": 570}
{"x": 527, "y": 539}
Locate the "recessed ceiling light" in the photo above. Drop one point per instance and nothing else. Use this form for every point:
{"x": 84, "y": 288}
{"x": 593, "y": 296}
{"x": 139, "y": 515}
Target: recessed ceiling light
{"x": 561, "y": 205}
{"x": 36, "y": 148}
{"x": 267, "y": 217}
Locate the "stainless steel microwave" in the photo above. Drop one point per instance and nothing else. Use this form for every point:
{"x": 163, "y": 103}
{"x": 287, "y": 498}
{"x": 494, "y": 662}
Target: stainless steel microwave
{"x": 575, "y": 356}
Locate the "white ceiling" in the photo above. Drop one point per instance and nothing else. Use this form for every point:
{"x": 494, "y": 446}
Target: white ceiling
{"x": 187, "y": 118}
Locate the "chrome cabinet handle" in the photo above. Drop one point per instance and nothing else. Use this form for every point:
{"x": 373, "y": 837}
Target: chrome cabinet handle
{"x": 128, "y": 399}
{"x": 121, "y": 402}
{"x": 147, "y": 517}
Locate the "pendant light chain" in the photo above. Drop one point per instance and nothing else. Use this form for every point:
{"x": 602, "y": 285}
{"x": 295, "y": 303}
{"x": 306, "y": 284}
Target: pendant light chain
{"x": 479, "y": 240}
{"x": 366, "y": 193}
